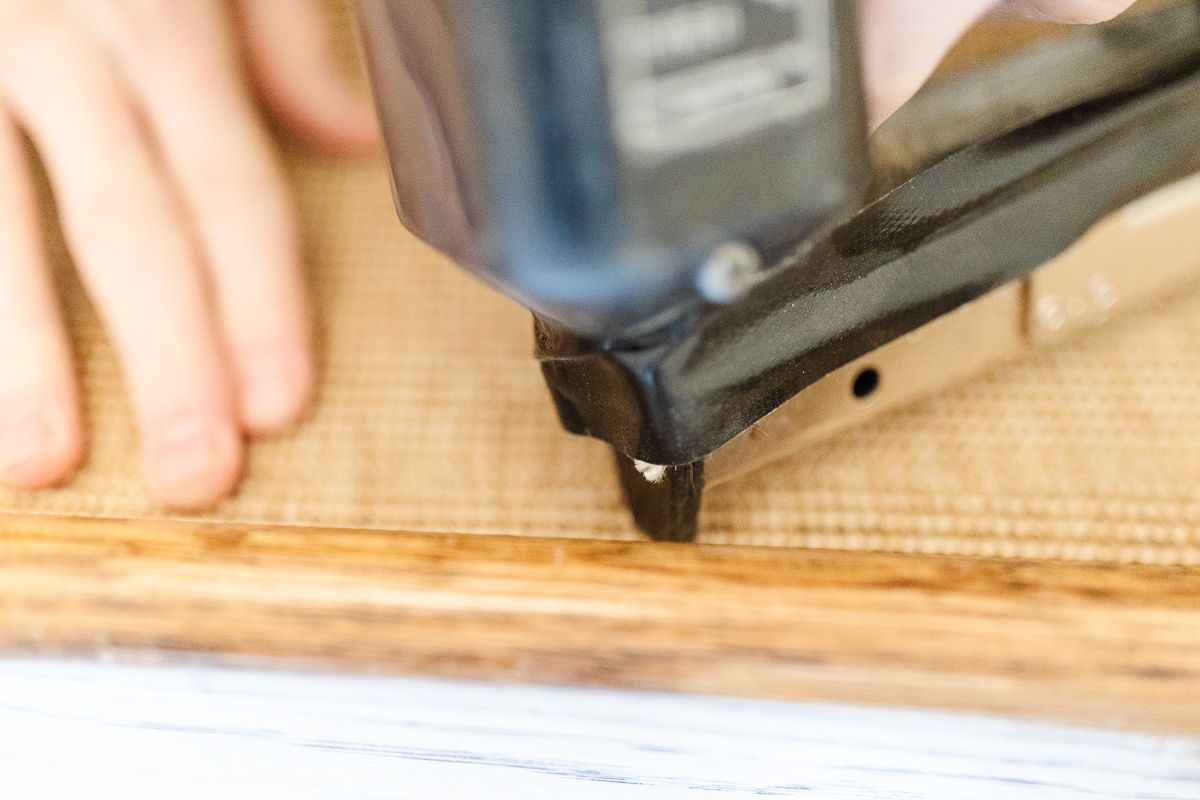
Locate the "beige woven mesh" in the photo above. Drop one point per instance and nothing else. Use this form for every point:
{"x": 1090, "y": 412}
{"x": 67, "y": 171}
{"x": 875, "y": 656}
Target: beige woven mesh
{"x": 433, "y": 417}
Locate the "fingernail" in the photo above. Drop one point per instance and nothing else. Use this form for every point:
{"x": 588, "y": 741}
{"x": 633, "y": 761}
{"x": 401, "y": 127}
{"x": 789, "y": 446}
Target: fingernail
{"x": 185, "y": 452}
{"x": 269, "y": 394}
{"x": 25, "y": 441}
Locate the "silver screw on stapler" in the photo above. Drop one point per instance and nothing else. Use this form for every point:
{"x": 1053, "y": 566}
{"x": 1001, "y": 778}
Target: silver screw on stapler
{"x": 731, "y": 271}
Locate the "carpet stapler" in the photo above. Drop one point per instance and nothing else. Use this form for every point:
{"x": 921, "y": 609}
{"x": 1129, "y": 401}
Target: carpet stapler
{"x": 722, "y": 264}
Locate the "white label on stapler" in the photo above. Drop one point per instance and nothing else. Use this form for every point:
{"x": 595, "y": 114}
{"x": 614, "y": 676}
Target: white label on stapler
{"x": 686, "y": 75}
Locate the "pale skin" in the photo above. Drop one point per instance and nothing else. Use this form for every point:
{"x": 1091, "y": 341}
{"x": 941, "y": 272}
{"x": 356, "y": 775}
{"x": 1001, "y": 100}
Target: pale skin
{"x": 147, "y": 116}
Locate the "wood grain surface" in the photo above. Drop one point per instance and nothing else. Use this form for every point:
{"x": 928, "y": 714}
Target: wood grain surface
{"x": 1109, "y": 646}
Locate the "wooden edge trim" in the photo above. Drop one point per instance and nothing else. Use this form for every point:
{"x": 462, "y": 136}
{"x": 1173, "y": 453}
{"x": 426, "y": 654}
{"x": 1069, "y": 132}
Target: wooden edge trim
{"x": 1113, "y": 646}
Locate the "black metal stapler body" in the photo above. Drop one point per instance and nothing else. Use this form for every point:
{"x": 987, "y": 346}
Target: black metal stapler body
{"x": 685, "y": 196}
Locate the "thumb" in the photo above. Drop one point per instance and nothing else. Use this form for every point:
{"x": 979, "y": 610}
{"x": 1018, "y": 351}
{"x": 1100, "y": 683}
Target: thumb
{"x": 905, "y": 40}
{"x": 300, "y": 76}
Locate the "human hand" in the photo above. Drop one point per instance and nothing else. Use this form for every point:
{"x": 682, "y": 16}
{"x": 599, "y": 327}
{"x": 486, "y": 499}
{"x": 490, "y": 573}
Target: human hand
{"x": 904, "y": 40}
{"x": 177, "y": 215}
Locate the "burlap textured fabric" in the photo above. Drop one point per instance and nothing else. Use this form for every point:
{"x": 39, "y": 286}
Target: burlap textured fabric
{"x": 432, "y": 417}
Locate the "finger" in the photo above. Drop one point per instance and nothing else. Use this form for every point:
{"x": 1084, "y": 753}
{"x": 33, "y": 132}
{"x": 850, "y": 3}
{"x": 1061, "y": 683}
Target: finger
{"x": 134, "y": 255}
{"x": 300, "y": 75}
{"x": 41, "y": 440}
{"x": 1071, "y": 11}
{"x": 179, "y": 59}
{"x": 904, "y": 41}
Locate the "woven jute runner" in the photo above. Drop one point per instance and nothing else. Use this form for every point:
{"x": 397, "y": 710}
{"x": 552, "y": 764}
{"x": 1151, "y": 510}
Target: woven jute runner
{"x": 432, "y": 417}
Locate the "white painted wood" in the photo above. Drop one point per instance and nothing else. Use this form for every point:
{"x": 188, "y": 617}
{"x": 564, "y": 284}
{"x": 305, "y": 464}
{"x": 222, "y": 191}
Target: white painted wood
{"x": 72, "y": 729}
